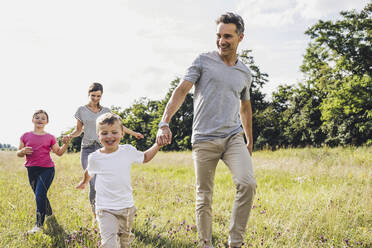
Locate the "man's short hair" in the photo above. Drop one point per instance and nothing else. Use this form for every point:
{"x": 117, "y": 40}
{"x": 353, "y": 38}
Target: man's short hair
{"x": 236, "y": 19}
{"x": 110, "y": 119}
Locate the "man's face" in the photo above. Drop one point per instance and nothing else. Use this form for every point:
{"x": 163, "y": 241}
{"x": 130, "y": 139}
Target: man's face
{"x": 227, "y": 39}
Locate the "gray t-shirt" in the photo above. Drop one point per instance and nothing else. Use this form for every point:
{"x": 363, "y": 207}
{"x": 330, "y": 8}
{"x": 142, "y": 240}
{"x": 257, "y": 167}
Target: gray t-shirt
{"x": 218, "y": 91}
{"x": 88, "y": 118}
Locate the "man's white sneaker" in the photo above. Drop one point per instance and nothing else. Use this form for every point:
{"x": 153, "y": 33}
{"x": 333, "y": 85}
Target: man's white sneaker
{"x": 35, "y": 230}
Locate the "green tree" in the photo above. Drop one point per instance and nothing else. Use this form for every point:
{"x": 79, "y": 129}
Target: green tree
{"x": 140, "y": 118}
{"x": 350, "y": 38}
{"x": 337, "y": 66}
{"x": 302, "y": 120}
{"x": 274, "y": 119}
{"x": 259, "y": 104}
{"x": 347, "y": 112}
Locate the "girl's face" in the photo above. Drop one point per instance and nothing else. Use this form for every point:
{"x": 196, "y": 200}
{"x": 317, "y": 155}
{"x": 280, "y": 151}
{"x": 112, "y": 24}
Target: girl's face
{"x": 40, "y": 120}
{"x": 95, "y": 96}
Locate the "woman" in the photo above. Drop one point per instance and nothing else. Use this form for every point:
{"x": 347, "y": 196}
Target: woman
{"x": 86, "y": 117}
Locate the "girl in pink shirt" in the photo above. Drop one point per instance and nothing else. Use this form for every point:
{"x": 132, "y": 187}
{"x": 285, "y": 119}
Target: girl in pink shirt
{"x": 36, "y": 146}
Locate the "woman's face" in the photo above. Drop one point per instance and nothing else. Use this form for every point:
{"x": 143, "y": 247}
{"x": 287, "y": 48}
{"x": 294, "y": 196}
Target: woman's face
{"x": 95, "y": 96}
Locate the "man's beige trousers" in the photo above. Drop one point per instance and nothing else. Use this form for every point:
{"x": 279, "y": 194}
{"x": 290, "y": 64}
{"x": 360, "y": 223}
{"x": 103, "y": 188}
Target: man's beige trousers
{"x": 234, "y": 153}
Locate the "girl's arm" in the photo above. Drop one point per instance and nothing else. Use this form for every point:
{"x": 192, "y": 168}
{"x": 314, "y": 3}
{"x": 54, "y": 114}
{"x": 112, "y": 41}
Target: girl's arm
{"x": 23, "y": 150}
{"x": 150, "y": 153}
{"x": 130, "y": 132}
{"x": 60, "y": 150}
{"x": 85, "y": 181}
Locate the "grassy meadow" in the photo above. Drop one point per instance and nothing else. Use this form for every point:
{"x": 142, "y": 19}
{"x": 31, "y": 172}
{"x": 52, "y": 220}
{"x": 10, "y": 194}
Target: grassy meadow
{"x": 305, "y": 198}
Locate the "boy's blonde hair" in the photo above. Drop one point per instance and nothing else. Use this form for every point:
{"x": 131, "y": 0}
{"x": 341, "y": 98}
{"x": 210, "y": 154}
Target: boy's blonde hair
{"x": 110, "y": 119}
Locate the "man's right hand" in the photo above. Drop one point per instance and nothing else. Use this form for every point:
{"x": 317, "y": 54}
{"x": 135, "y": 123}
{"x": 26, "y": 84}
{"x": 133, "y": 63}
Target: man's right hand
{"x": 164, "y": 136}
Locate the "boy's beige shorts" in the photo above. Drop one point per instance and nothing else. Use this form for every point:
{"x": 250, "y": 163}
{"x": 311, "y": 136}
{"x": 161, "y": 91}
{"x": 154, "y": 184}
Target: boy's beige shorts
{"x": 116, "y": 227}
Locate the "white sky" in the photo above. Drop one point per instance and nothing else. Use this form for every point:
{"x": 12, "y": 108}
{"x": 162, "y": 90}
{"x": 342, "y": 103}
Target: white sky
{"x": 51, "y": 51}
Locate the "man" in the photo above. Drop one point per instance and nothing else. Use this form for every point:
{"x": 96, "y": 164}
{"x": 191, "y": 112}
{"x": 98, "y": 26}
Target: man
{"x": 221, "y": 108}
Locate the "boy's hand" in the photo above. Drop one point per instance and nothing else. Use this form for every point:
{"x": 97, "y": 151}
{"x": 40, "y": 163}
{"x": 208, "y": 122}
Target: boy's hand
{"x": 138, "y": 135}
{"x": 81, "y": 185}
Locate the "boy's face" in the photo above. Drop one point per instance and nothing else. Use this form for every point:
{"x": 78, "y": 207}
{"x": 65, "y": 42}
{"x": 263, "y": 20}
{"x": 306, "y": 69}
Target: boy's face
{"x": 110, "y": 135}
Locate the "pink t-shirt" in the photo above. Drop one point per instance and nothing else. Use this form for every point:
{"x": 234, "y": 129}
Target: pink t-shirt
{"x": 41, "y": 146}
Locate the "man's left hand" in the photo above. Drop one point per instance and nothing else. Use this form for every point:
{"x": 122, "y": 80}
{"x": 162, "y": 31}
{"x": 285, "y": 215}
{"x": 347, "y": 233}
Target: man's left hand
{"x": 250, "y": 148}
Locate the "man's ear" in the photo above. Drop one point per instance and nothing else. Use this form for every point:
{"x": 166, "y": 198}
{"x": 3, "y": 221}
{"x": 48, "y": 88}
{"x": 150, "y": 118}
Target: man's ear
{"x": 241, "y": 36}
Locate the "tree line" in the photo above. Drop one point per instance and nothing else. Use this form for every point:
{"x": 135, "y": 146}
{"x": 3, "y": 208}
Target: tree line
{"x": 7, "y": 147}
{"x": 331, "y": 106}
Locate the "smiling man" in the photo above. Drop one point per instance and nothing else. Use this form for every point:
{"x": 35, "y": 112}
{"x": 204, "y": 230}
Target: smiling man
{"x": 222, "y": 115}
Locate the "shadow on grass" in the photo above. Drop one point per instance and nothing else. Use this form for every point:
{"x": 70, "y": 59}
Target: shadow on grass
{"x": 56, "y": 232}
{"x": 159, "y": 242}
{"x": 84, "y": 237}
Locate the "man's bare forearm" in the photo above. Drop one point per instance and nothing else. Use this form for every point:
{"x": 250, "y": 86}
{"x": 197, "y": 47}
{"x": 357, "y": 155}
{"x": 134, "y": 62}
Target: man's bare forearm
{"x": 176, "y": 100}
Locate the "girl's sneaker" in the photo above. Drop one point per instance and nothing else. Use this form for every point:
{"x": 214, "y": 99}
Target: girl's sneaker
{"x": 35, "y": 230}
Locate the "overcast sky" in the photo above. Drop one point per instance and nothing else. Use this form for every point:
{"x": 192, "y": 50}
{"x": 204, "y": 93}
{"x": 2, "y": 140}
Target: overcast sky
{"x": 51, "y": 51}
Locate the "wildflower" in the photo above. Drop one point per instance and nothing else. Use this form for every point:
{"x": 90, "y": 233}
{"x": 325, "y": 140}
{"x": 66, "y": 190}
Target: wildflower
{"x": 322, "y": 239}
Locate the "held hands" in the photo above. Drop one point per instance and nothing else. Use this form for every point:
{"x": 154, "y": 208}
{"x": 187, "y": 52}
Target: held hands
{"x": 66, "y": 139}
{"x": 164, "y": 136}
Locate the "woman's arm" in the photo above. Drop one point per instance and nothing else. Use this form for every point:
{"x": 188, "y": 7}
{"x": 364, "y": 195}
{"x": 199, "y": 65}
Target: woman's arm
{"x": 131, "y": 132}
{"x": 77, "y": 131}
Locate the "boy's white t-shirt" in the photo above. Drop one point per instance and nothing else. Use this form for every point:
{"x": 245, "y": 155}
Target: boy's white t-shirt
{"x": 112, "y": 170}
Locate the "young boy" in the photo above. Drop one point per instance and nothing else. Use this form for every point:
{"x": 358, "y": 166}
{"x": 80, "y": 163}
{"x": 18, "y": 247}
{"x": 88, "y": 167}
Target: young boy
{"x": 111, "y": 164}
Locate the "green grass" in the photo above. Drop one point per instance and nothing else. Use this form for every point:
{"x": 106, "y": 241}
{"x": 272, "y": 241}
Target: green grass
{"x": 305, "y": 198}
